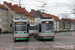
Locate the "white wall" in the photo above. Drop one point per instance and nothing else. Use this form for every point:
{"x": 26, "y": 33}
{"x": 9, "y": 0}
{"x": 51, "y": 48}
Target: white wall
{"x": 56, "y": 25}
{"x": 3, "y": 15}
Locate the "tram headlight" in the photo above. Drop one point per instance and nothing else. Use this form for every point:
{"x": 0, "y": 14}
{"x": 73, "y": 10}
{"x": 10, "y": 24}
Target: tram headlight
{"x": 51, "y": 31}
{"x": 43, "y": 31}
{"x": 24, "y": 32}
{"x": 15, "y": 32}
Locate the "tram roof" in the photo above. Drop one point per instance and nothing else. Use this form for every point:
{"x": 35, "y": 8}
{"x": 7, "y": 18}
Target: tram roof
{"x": 46, "y": 19}
{"x": 20, "y": 19}
{"x": 39, "y": 21}
{"x": 31, "y": 25}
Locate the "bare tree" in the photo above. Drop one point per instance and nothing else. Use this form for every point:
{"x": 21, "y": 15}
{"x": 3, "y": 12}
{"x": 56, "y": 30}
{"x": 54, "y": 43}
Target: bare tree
{"x": 67, "y": 23}
{"x": 72, "y": 6}
{"x": 65, "y": 15}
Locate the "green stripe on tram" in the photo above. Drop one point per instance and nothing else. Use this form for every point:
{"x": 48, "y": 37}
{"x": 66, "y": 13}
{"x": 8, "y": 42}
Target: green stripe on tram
{"x": 46, "y": 38}
{"x": 21, "y": 38}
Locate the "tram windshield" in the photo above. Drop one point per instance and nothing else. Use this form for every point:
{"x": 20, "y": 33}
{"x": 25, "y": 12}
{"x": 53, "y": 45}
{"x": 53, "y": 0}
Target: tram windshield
{"x": 20, "y": 26}
{"x": 47, "y": 25}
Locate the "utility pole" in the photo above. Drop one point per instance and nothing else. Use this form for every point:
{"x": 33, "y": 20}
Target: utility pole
{"x": 20, "y": 7}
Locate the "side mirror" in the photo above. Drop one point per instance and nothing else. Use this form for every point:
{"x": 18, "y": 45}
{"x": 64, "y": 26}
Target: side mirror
{"x": 28, "y": 25}
{"x": 10, "y": 25}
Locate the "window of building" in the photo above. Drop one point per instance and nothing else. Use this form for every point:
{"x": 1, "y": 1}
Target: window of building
{"x": 27, "y": 17}
{"x": 31, "y": 22}
{"x": 11, "y": 15}
{"x": 31, "y": 18}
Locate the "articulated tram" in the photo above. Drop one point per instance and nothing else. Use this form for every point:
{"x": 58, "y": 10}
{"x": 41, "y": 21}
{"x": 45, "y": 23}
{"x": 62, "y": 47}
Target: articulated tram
{"x": 44, "y": 29}
{"x": 20, "y": 29}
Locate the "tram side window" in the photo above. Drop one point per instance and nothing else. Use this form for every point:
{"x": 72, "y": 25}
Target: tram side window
{"x": 39, "y": 27}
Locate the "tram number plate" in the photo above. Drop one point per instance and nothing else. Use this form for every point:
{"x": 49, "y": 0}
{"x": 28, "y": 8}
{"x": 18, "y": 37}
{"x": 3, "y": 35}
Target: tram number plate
{"x": 20, "y": 32}
{"x": 47, "y": 32}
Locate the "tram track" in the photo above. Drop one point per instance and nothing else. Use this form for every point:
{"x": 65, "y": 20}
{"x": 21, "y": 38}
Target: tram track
{"x": 12, "y": 45}
{"x": 51, "y": 45}
{"x": 45, "y": 43}
{"x": 41, "y": 46}
{"x": 60, "y": 44}
{"x": 54, "y": 42}
{"x": 27, "y": 46}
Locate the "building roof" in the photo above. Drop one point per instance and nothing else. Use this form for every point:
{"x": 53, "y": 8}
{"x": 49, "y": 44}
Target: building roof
{"x": 35, "y": 13}
{"x": 17, "y": 9}
{"x": 1, "y": 6}
{"x": 49, "y": 15}
{"x": 71, "y": 20}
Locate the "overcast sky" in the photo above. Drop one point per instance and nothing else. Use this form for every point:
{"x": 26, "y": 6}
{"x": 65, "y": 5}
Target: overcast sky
{"x": 55, "y": 7}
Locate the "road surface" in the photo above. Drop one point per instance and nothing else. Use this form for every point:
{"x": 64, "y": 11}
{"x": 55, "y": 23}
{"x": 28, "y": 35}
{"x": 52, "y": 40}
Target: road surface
{"x": 62, "y": 41}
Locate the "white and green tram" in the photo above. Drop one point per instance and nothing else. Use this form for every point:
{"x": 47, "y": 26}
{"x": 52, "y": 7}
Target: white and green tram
{"x": 20, "y": 29}
{"x": 44, "y": 29}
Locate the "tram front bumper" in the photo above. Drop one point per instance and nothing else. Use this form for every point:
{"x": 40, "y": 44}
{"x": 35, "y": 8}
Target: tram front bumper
{"x": 21, "y": 38}
{"x": 31, "y": 34}
{"x": 46, "y": 37}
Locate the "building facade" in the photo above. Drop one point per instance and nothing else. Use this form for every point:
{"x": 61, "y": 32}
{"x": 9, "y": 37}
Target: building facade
{"x": 3, "y": 19}
{"x": 68, "y": 24}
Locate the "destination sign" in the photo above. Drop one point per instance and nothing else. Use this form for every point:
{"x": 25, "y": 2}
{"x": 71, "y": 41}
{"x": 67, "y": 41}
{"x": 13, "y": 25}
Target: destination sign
{"x": 47, "y": 22}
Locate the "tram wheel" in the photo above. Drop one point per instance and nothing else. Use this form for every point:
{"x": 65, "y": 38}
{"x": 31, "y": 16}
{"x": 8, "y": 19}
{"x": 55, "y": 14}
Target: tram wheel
{"x": 34, "y": 36}
{"x": 39, "y": 39}
{"x": 52, "y": 39}
{"x": 14, "y": 40}
{"x": 28, "y": 40}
